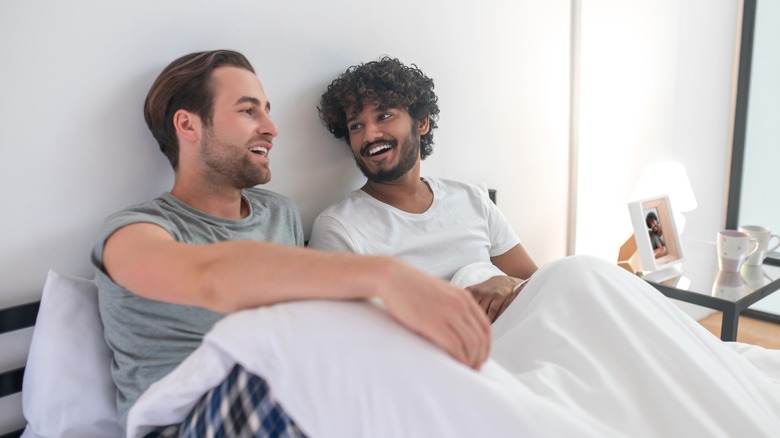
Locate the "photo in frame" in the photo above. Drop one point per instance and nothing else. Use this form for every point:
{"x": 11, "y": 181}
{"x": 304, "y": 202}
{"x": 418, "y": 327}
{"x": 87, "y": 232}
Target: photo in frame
{"x": 655, "y": 232}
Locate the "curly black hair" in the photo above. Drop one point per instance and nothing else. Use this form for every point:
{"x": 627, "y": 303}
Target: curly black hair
{"x": 387, "y": 83}
{"x": 650, "y": 217}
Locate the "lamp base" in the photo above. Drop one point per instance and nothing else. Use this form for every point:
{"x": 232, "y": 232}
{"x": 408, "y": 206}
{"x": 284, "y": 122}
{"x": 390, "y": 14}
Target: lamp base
{"x": 628, "y": 257}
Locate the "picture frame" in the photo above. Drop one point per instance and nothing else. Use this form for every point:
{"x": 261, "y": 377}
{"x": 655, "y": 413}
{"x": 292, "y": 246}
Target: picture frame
{"x": 659, "y": 247}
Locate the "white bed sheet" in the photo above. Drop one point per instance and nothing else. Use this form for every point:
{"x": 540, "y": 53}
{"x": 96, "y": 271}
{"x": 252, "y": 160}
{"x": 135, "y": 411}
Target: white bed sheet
{"x": 584, "y": 350}
{"x": 345, "y": 369}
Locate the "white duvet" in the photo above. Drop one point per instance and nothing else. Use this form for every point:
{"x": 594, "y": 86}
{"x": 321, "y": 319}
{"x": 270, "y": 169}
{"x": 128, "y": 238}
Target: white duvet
{"x": 585, "y": 350}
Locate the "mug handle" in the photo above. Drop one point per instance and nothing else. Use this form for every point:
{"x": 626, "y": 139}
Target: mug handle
{"x": 755, "y": 244}
{"x": 772, "y": 248}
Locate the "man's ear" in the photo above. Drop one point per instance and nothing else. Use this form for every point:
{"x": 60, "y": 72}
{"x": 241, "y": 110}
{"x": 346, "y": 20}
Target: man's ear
{"x": 423, "y": 126}
{"x": 187, "y": 125}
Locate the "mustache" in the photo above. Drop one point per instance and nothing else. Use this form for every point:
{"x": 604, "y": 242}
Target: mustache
{"x": 265, "y": 138}
{"x": 367, "y": 147}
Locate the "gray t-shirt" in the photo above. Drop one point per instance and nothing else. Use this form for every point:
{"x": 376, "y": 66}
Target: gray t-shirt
{"x": 150, "y": 338}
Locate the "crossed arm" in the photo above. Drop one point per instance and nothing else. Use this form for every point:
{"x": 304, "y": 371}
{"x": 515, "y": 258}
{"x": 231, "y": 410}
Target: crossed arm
{"x": 230, "y": 276}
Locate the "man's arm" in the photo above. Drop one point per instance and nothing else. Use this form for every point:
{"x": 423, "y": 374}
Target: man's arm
{"x": 516, "y": 262}
{"x": 234, "y": 275}
{"x": 497, "y": 293}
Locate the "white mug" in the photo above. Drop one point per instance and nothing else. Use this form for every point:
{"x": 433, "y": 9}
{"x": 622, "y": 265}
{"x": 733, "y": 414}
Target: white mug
{"x": 755, "y": 277}
{"x": 728, "y": 286}
{"x": 764, "y": 236}
{"x": 733, "y": 248}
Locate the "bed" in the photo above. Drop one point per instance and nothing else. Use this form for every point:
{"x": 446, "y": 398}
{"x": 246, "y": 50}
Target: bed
{"x": 12, "y": 319}
{"x": 347, "y": 369}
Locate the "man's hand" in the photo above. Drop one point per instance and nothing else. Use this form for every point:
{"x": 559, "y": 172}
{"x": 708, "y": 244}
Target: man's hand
{"x": 496, "y": 294}
{"x": 440, "y": 312}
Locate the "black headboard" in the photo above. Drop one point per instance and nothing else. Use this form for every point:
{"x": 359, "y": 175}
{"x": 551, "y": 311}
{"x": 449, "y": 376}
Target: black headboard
{"x": 11, "y": 319}
{"x": 492, "y": 194}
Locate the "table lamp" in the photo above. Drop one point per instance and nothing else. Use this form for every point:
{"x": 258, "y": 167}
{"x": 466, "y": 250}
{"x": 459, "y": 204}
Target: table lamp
{"x": 659, "y": 178}
{"x": 667, "y": 177}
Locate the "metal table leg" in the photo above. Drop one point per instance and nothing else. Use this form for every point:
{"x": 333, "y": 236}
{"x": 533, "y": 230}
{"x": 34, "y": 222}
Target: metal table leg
{"x": 729, "y": 325}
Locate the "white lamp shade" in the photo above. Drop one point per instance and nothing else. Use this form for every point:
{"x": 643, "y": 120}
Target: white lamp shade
{"x": 666, "y": 177}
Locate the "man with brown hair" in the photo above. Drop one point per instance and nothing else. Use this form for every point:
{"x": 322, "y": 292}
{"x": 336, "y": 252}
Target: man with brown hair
{"x": 168, "y": 269}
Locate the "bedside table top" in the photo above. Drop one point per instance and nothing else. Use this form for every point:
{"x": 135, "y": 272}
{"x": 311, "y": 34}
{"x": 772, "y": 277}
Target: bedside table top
{"x": 698, "y": 280}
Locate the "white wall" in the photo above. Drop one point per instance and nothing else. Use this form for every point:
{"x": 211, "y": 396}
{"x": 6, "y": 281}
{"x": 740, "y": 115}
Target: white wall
{"x": 657, "y": 84}
{"x": 75, "y": 147}
{"x": 656, "y": 80}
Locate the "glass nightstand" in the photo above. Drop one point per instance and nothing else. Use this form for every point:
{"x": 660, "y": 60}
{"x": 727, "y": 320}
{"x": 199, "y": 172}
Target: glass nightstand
{"x": 697, "y": 280}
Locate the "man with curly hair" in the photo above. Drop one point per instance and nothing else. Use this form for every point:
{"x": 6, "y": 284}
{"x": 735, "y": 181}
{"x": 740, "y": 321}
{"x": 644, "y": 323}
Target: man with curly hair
{"x": 581, "y": 331}
{"x": 656, "y": 234}
{"x": 387, "y": 111}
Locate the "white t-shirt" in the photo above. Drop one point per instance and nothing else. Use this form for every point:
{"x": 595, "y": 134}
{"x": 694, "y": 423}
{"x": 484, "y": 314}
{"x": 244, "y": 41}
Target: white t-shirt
{"x": 462, "y": 226}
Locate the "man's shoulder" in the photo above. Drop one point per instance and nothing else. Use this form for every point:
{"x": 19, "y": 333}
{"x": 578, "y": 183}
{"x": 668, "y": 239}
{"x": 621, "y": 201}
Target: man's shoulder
{"x": 150, "y": 207}
{"x": 156, "y": 211}
{"x": 455, "y": 186}
{"x": 355, "y": 199}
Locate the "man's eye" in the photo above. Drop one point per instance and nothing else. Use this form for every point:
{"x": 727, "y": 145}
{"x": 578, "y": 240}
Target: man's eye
{"x": 384, "y": 116}
{"x": 355, "y": 126}
{"x": 249, "y": 111}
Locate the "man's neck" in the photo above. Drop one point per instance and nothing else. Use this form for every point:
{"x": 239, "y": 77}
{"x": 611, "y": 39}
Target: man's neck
{"x": 224, "y": 203}
{"x": 408, "y": 193}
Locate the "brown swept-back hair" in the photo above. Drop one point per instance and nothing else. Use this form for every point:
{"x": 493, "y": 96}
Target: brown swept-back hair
{"x": 185, "y": 84}
{"x": 387, "y": 83}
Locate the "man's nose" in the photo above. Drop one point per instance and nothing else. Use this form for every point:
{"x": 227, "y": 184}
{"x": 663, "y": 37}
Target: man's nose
{"x": 372, "y": 132}
{"x": 268, "y": 127}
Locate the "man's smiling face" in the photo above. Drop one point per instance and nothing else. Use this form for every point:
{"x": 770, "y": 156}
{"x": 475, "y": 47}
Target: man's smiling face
{"x": 235, "y": 146}
{"x": 385, "y": 142}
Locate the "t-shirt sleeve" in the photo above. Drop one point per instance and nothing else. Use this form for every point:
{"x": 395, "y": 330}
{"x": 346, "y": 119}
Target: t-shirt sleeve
{"x": 502, "y": 237}
{"x": 297, "y": 223}
{"x": 119, "y": 220}
{"x": 328, "y": 234}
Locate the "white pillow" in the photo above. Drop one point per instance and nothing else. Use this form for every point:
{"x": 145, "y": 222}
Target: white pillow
{"x": 67, "y": 389}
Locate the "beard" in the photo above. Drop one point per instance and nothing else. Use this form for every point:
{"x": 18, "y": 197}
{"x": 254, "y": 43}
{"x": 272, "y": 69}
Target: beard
{"x": 410, "y": 151}
{"x": 229, "y": 163}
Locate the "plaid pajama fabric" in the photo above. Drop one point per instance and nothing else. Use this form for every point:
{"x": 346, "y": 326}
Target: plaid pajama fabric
{"x": 240, "y": 406}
